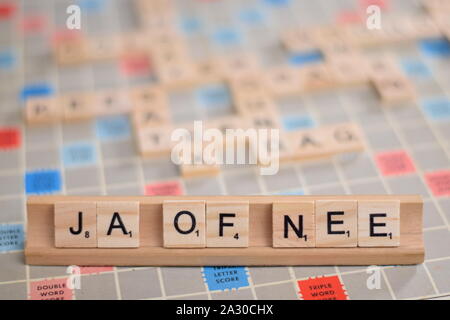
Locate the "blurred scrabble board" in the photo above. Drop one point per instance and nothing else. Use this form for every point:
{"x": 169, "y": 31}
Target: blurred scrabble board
{"x": 407, "y": 145}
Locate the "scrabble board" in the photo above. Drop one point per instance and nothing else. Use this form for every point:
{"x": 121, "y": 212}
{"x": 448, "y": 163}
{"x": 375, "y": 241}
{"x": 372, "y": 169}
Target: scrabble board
{"x": 407, "y": 150}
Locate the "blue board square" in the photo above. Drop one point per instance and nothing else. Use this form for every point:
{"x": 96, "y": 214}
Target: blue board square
{"x": 227, "y": 37}
{"x": 251, "y": 16}
{"x": 11, "y": 237}
{"x": 437, "y": 48}
{"x": 91, "y": 6}
{"x": 437, "y": 108}
{"x": 36, "y": 90}
{"x": 190, "y": 25}
{"x": 7, "y": 60}
{"x": 297, "y": 122}
{"x": 304, "y": 58}
{"x": 112, "y": 128}
{"x": 43, "y": 182}
{"x": 277, "y": 3}
{"x": 415, "y": 68}
{"x": 222, "y": 278}
{"x": 296, "y": 192}
{"x": 214, "y": 95}
{"x": 79, "y": 154}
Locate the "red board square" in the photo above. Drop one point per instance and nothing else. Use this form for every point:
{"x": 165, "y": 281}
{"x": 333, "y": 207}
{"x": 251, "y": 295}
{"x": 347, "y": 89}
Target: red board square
{"x": 349, "y": 17}
{"x": 439, "y": 182}
{"x": 383, "y": 4}
{"x": 31, "y": 24}
{"x": 169, "y": 188}
{"x": 322, "y": 288}
{"x": 135, "y": 64}
{"x": 55, "y": 289}
{"x": 7, "y": 10}
{"x": 393, "y": 163}
{"x": 92, "y": 270}
{"x": 61, "y": 36}
{"x": 10, "y": 138}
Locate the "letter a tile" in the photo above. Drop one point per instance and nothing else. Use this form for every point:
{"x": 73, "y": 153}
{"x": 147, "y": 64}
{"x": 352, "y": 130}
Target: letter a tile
{"x": 118, "y": 224}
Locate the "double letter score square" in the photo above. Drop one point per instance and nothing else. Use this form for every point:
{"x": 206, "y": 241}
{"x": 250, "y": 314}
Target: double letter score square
{"x": 308, "y": 223}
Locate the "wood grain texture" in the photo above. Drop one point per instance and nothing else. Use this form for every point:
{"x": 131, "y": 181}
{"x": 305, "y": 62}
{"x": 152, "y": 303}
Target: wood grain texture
{"x": 195, "y": 236}
{"x": 42, "y": 110}
{"x": 336, "y": 223}
{"x": 388, "y": 235}
{"x": 40, "y": 249}
{"x": 118, "y": 224}
{"x": 67, "y": 225}
{"x": 233, "y": 216}
{"x": 294, "y": 211}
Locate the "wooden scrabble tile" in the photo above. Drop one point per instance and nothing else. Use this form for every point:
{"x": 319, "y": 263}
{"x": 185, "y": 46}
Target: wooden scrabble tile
{"x": 208, "y": 71}
{"x": 254, "y": 105}
{"x": 327, "y": 34}
{"x": 247, "y": 84}
{"x": 42, "y": 111}
{"x": 118, "y": 224}
{"x": 76, "y": 224}
{"x": 266, "y": 149}
{"x": 348, "y": 70}
{"x": 283, "y": 81}
{"x": 227, "y": 224}
{"x": 238, "y": 64}
{"x": 360, "y": 36}
{"x": 179, "y": 73}
{"x": 151, "y": 117}
{"x": 109, "y": 102}
{"x": 336, "y": 223}
{"x": 383, "y": 67}
{"x": 395, "y": 89}
{"x": 337, "y": 49}
{"x": 378, "y": 223}
{"x": 169, "y": 51}
{"x": 148, "y": 97}
{"x": 267, "y": 119}
{"x": 344, "y": 137}
{"x": 184, "y": 224}
{"x": 424, "y": 27}
{"x": 102, "y": 48}
{"x": 299, "y": 40}
{"x": 134, "y": 42}
{"x": 293, "y": 224}
{"x": 154, "y": 141}
{"x": 70, "y": 52}
{"x": 316, "y": 77}
{"x": 325, "y": 141}
{"x": 199, "y": 170}
{"x": 77, "y": 106}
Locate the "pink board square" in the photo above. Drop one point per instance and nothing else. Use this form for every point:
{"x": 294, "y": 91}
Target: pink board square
{"x": 55, "y": 289}
{"x": 439, "y": 182}
{"x": 394, "y": 163}
{"x": 168, "y": 188}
